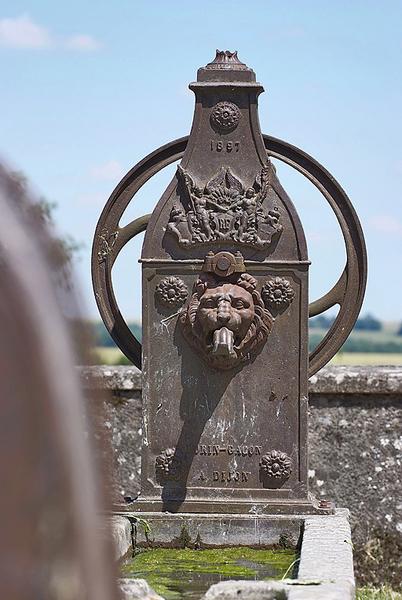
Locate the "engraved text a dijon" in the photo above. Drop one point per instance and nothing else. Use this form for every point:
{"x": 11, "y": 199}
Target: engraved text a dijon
{"x": 231, "y": 476}
{"x": 226, "y": 476}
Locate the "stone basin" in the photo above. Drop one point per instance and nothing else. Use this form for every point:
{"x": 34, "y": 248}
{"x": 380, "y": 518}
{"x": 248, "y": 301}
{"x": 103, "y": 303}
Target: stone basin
{"x": 324, "y": 569}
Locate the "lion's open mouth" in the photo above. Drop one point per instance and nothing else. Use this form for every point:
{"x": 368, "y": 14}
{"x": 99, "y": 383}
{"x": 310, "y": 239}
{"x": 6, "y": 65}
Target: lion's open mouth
{"x": 223, "y": 341}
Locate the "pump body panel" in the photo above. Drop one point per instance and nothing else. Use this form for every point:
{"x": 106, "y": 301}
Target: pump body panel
{"x": 225, "y": 312}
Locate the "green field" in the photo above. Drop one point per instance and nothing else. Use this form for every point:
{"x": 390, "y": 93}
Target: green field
{"x": 113, "y": 356}
{"x": 367, "y": 358}
{"x": 361, "y": 348}
{"x": 362, "y": 342}
{"x": 104, "y": 355}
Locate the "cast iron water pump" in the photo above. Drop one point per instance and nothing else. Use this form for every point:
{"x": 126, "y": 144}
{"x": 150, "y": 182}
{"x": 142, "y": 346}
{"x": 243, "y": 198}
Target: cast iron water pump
{"x": 225, "y": 308}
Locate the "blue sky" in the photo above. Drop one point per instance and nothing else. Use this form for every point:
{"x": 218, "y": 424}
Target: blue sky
{"x": 89, "y": 88}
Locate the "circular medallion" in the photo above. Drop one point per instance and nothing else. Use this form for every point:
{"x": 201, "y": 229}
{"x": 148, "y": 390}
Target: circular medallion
{"x": 167, "y": 466}
{"x": 225, "y": 117}
{"x": 277, "y": 293}
{"x": 276, "y": 464}
{"x": 171, "y": 291}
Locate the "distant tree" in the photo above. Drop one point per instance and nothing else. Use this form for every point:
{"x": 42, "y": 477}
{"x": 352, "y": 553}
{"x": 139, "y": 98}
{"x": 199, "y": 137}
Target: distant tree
{"x": 368, "y": 323}
{"x": 321, "y": 322}
{"x": 102, "y": 337}
{"x": 399, "y": 332}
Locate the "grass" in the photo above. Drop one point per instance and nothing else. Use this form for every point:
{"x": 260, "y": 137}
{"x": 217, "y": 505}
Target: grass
{"x": 382, "y": 593}
{"x": 367, "y": 358}
{"x": 113, "y": 356}
{"x": 384, "y": 341}
{"x": 361, "y": 348}
{"x": 105, "y": 355}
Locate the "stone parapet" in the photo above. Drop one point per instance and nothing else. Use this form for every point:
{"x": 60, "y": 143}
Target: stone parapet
{"x": 355, "y": 450}
{"x": 348, "y": 380}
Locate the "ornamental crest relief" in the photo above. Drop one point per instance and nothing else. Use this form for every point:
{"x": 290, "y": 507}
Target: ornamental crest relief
{"x": 224, "y": 211}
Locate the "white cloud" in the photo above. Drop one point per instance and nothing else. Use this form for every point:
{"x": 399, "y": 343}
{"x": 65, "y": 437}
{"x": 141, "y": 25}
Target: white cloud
{"x": 108, "y": 171}
{"x": 22, "y": 32}
{"x": 386, "y": 224}
{"x": 82, "y": 42}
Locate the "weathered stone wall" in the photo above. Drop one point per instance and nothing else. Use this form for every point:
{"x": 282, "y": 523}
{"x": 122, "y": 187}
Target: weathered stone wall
{"x": 355, "y": 437}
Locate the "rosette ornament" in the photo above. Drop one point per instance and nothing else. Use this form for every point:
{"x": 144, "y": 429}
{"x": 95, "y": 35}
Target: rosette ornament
{"x": 276, "y": 464}
{"x": 225, "y": 117}
{"x": 277, "y": 293}
{"x": 167, "y": 466}
{"x": 171, "y": 291}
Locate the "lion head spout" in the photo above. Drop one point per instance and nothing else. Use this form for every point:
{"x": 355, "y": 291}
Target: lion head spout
{"x": 226, "y": 320}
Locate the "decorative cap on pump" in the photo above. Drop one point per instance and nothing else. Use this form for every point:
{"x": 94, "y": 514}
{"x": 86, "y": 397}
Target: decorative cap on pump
{"x": 226, "y": 67}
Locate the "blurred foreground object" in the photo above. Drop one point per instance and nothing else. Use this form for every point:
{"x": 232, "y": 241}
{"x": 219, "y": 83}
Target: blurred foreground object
{"x": 49, "y": 506}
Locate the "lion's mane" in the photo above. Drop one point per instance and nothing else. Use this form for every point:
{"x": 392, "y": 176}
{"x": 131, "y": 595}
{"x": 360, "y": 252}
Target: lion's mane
{"x": 256, "y": 335}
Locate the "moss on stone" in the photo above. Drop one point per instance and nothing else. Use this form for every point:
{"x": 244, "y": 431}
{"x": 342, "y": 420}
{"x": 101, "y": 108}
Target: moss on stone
{"x": 188, "y": 573}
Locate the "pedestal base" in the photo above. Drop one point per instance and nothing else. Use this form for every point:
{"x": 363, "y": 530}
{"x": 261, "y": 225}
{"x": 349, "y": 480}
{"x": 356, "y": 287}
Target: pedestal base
{"x": 285, "y": 507}
{"x": 225, "y": 524}
{"x": 156, "y": 529}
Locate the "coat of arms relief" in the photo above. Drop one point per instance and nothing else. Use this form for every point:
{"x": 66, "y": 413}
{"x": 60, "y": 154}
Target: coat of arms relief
{"x": 224, "y": 210}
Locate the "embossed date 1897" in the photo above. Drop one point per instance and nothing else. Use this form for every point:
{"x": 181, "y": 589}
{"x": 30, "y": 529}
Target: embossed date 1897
{"x": 220, "y": 146}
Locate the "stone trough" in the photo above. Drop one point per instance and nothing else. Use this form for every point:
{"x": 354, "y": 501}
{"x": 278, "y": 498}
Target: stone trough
{"x": 324, "y": 569}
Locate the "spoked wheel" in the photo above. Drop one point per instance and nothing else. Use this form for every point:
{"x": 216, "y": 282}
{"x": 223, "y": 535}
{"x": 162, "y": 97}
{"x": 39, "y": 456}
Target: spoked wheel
{"x": 109, "y": 240}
